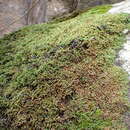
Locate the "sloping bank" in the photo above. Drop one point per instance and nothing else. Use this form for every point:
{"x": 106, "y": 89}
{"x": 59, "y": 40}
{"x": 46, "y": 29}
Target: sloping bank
{"x": 62, "y": 75}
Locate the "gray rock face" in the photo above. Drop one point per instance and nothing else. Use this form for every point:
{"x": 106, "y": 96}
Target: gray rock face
{"x": 10, "y": 11}
{"x": 15, "y": 14}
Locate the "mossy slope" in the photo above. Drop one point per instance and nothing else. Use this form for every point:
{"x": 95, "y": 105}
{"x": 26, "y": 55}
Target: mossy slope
{"x": 62, "y": 75}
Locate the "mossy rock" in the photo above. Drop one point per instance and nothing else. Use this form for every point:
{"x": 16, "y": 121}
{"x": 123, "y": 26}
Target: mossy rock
{"x": 61, "y": 75}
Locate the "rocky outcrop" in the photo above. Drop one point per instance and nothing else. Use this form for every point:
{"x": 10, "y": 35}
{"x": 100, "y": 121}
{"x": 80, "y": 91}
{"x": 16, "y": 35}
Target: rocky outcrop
{"x": 15, "y": 14}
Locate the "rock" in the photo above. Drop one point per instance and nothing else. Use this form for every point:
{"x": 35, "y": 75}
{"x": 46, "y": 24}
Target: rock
{"x": 126, "y": 31}
{"x": 122, "y": 7}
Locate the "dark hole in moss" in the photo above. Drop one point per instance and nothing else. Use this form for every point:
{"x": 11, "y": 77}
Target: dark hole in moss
{"x": 61, "y": 113}
{"x": 68, "y": 98}
{"x": 85, "y": 46}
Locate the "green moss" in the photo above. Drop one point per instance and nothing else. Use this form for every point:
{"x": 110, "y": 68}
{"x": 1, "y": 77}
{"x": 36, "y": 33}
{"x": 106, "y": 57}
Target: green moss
{"x": 91, "y": 120}
{"x": 100, "y": 9}
{"x": 62, "y": 75}
{"x": 90, "y": 11}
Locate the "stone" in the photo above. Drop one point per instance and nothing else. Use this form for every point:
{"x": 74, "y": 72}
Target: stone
{"x": 122, "y": 7}
{"x": 126, "y": 31}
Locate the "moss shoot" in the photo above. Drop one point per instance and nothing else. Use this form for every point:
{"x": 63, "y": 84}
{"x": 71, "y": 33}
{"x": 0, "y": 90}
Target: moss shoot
{"x": 61, "y": 75}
